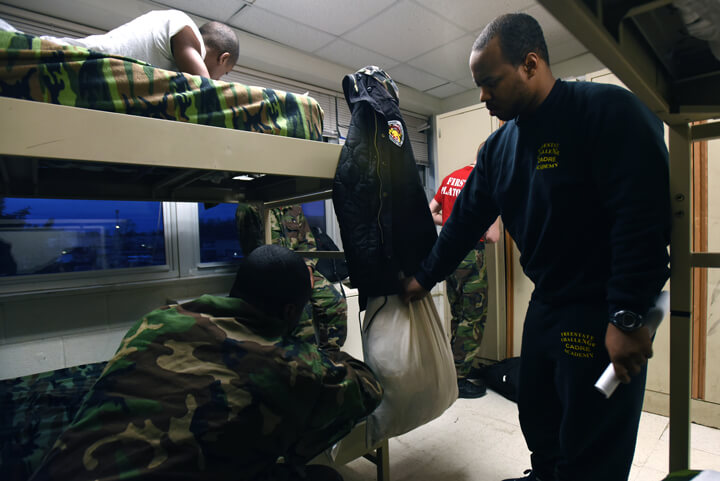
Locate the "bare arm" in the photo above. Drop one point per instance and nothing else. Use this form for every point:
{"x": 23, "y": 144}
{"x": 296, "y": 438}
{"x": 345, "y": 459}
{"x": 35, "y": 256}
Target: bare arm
{"x": 186, "y": 50}
{"x": 436, "y": 211}
{"x": 493, "y": 233}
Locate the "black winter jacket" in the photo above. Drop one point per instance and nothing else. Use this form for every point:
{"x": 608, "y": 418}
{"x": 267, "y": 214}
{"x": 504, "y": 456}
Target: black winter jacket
{"x": 385, "y": 223}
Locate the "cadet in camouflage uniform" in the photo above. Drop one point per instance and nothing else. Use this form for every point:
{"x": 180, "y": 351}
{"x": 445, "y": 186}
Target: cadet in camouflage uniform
{"x": 467, "y": 291}
{"x": 217, "y": 389}
{"x": 327, "y": 310}
{"x": 324, "y": 320}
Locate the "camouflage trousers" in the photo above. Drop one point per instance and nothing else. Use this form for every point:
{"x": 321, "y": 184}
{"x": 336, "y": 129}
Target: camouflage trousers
{"x": 324, "y": 319}
{"x": 467, "y": 291}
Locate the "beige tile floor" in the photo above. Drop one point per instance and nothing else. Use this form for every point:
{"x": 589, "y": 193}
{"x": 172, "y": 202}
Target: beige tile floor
{"x": 480, "y": 440}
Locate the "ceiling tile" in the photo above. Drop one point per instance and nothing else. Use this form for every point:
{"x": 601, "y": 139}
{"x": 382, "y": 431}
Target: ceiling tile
{"x": 562, "y": 45}
{"x": 553, "y": 30}
{"x": 352, "y": 56}
{"x": 404, "y": 31}
{"x": 449, "y": 61}
{"x": 220, "y": 10}
{"x": 333, "y": 16}
{"x": 99, "y": 15}
{"x": 446, "y": 90}
{"x": 267, "y": 25}
{"x": 560, "y": 52}
{"x": 412, "y": 77}
{"x": 473, "y": 15}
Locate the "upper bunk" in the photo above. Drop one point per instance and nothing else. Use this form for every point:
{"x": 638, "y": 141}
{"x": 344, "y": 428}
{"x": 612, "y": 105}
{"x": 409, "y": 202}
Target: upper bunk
{"x": 186, "y": 138}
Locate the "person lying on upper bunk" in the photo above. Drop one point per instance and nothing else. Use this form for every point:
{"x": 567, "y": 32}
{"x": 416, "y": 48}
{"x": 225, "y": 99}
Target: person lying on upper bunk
{"x": 167, "y": 39}
{"x": 217, "y": 389}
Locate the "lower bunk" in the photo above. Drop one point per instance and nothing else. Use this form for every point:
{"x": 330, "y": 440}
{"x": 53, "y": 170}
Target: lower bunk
{"x": 35, "y": 409}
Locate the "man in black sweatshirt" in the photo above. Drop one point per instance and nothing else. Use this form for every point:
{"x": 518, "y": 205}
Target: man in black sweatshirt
{"x": 579, "y": 173}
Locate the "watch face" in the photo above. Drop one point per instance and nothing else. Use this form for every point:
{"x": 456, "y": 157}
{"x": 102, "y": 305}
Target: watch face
{"x": 627, "y": 320}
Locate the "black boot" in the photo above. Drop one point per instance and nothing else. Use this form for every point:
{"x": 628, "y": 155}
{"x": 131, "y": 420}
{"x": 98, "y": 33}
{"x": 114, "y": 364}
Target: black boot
{"x": 471, "y": 388}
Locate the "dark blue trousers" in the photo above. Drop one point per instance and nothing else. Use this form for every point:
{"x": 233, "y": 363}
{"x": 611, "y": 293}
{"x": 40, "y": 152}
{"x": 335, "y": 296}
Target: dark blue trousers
{"x": 573, "y": 432}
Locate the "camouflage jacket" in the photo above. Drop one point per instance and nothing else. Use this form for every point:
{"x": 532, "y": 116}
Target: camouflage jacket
{"x": 211, "y": 389}
{"x": 289, "y": 228}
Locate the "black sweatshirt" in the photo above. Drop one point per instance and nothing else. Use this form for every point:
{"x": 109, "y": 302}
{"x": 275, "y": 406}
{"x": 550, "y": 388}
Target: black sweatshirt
{"x": 582, "y": 186}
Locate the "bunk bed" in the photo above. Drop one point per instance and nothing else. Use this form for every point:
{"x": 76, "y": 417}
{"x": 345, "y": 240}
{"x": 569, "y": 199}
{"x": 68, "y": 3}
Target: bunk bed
{"x": 187, "y": 138}
{"x": 648, "y": 45}
{"x": 80, "y": 125}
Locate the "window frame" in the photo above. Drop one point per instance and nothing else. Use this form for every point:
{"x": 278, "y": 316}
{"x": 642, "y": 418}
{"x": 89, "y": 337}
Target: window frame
{"x": 22, "y": 284}
{"x": 189, "y": 245}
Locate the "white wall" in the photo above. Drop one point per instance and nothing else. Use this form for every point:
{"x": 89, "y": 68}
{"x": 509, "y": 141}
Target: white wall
{"x": 712, "y": 362}
{"x": 55, "y": 329}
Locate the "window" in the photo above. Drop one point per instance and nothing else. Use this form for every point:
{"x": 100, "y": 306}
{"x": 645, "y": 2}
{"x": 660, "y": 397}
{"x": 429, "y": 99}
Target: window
{"x": 315, "y": 214}
{"x": 51, "y": 243}
{"x": 218, "y": 233}
{"x": 50, "y": 236}
{"x": 219, "y": 243}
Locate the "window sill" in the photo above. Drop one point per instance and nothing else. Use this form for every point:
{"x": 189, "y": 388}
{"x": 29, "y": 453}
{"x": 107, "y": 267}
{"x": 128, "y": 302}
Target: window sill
{"x": 114, "y": 287}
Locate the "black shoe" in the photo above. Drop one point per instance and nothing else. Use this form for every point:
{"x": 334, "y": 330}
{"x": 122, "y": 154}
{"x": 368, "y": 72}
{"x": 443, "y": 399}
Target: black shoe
{"x": 471, "y": 388}
{"x": 530, "y": 477}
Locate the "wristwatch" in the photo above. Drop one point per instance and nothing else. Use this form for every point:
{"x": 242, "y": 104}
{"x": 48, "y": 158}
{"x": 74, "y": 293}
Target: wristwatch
{"x": 627, "y": 321}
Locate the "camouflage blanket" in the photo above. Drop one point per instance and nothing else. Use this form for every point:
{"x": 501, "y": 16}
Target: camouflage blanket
{"x": 35, "y": 69}
{"x": 35, "y": 410}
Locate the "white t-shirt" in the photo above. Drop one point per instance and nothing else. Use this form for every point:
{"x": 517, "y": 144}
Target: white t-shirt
{"x": 7, "y": 27}
{"x": 146, "y": 38}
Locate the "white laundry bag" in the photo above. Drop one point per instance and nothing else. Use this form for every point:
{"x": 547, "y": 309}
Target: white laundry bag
{"x": 409, "y": 352}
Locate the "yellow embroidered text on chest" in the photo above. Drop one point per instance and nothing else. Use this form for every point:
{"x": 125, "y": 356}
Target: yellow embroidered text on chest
{"x": 548, "y": 156}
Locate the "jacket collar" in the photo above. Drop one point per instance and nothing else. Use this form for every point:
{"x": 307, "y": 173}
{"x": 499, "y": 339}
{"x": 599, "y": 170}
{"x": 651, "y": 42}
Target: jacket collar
{"x": 243, "y": 312}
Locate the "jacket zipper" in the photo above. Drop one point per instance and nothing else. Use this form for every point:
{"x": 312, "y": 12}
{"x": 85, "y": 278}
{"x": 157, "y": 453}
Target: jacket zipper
{"x": 377, "y": 169}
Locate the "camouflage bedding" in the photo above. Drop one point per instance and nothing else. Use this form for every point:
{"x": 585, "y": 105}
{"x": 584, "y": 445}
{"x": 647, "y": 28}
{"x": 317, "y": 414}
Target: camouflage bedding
{"x": 34, "y": 411}
{"x": 35, "y": 69}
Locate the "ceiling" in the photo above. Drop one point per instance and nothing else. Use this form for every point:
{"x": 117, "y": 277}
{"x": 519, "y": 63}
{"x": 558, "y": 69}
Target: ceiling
{"x": 423, "y": 44}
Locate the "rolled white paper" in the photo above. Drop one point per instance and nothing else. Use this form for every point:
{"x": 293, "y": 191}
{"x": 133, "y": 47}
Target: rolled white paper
{"x": 608, "y": 381}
